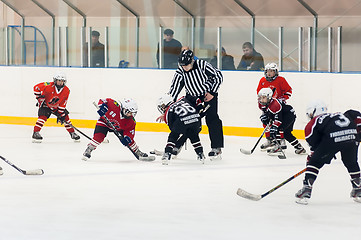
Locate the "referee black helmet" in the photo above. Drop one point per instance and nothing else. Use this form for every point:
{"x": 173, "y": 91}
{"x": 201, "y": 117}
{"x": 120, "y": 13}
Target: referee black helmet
{"x": 185, "y": 58}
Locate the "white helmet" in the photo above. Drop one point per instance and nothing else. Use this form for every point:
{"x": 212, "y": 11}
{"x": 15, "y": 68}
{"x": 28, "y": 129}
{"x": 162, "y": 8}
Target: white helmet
{"x": 271, "y": 66}
{"x": 164, "y": 102}
{"x": 315, "y": 108}
{"x": 129, "y": 106}
{"x": 60, "y": 76}
{"x": 265, "y": 92}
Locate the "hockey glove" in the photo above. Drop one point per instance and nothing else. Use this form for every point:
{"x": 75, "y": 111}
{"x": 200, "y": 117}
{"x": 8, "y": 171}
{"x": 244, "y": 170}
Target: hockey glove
{"x": 103, "y": 109}
{"x": 273, "y": 132}
{"x": 126, "y": 140}
{"x": 41, "y": 100}
{"x": 61, "y": 119}
{"x": 264, "y": 119}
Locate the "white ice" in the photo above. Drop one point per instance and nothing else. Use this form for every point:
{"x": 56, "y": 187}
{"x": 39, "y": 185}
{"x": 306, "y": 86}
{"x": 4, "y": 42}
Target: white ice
{"x": 114, "y": 196}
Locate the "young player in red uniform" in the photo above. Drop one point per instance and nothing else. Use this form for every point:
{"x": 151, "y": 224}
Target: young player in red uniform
{"x": 122, "y": 116}
{"x": 328, "y": 134}
{"x": 281, "y": 90}
{"x": 281, "y": 117}
{"x": 52, "y": 99}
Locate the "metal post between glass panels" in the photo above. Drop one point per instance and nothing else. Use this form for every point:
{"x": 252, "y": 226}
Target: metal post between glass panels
{"x": 82, "y": 44}
{"x": 339, "y": 49}
{"x": 219, "y": 48}
{"x": 66, "y": 46}
{"x": 300, "y": 48}
{"x": 309, "y": 49}
{"x": 90, "y": 53}
{"x": 280, "y": 48}
{"x": 59, "y": 46}
{"x": 330, "y": 48}
{"x": 7, "y": 47}
{"x": 106, "y": 46}
{"x": 160, "y": 47}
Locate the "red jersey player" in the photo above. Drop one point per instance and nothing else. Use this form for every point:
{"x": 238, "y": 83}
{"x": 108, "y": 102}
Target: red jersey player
{"x": 122, "y": 116}
{"x": 52, "y": 99}
{"x": 281, "y": 91}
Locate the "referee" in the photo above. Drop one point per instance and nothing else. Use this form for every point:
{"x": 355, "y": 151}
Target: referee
{"x": 201, "y": 80}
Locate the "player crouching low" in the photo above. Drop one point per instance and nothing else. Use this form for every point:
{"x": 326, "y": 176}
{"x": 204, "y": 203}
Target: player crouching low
{"x": 280, "y": 117}
{"x": 181, "y": 118}
{"x": 52, "y": 99}
{"x": 122, "y": 117}
{"x": 328, "y": 134}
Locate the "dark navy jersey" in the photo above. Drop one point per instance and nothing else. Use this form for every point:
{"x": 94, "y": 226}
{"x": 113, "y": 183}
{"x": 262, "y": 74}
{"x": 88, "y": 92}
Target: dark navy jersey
{"x": 181, "y": 114}
{"x": 332, "y": 128}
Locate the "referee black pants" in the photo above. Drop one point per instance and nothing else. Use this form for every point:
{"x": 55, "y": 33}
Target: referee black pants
{"x": 214, "y": 124}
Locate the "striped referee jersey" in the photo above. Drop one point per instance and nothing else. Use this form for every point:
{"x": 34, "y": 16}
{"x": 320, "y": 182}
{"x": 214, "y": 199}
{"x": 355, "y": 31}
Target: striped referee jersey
{"x": 202, "y": 78}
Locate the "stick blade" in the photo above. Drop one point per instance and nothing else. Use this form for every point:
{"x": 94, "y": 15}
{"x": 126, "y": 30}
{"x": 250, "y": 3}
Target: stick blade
{"x": 247, "y": 195}
{"x": 147, "y": 159}
{"x": 282, "y": 157}
{"x": 247, "y": 152}
{"x": 34, "y": 172}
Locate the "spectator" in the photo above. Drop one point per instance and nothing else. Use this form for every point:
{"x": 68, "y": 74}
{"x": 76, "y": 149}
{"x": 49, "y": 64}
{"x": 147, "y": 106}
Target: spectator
{"x": 171, "y": 50}
{"x": 227, "y": 61}
{"x": 251, "y": 59}
{"x": 98, "y": 59}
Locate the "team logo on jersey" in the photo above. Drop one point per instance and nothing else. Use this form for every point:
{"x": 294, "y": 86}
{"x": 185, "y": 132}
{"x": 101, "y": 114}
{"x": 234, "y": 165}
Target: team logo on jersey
{"x": 46, "y": 83}
{"x": 116, "y": 103}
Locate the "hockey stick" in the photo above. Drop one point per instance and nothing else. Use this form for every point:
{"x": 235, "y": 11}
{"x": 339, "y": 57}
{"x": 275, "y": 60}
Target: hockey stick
{"x": 259, "y": 139}
{"x": 71, "y": 125}
{"x": 121, "y": 137}
{"x": 254, "y": 197}
{"x": 25, "y": 172}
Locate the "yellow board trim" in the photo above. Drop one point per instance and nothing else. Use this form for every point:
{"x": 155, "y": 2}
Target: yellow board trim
{"x": 143, "y": 126}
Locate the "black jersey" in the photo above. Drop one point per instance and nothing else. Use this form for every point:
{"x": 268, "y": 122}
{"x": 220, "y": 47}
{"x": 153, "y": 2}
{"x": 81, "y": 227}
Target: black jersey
{"x": 332, "y": 128}
{"x": 181, "y": 114}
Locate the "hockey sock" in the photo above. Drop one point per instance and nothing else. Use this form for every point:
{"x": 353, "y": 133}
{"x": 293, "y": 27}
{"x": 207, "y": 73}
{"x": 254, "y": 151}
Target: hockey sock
{"x": 40, "y": 123}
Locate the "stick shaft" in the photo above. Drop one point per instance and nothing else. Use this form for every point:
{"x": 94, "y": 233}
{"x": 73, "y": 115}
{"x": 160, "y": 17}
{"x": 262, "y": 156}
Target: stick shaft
{"x": 284, "y": 182}
{"x": 80, "y": 131}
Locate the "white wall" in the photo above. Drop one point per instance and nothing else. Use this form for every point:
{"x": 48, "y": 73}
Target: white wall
{"x": 238, "y": 100}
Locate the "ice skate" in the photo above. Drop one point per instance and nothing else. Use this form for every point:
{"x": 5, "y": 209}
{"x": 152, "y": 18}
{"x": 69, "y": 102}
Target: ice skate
{"x": 300, "y": 151}
{"x": 144, "y": 157}
{"x": 267, "y": 145}
{"x": 166, "y": 158}
{"x": 215, "y": 154}
{"x": 275, "y": 151}
{"x": 356, "y": 190}
{"x": 75, "y": 136}
{"x": 37, "y": 138}
{"x": 304, "y": 194}
{"x": 87, "y": 153}
{"x": 176, "y": 151}
{"x": 201, "y": 157}
{"x": 283, "y": 143}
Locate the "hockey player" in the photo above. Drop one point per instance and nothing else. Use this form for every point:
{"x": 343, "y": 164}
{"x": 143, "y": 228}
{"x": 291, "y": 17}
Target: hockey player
{"x": 182, "y": 118}
{"x": 122, "y": 116}
{"x": 52, "y": 99}
{"x": 282, "y": 91}
{"x": 328, "y": 134}
{"x": 280, "y": 117}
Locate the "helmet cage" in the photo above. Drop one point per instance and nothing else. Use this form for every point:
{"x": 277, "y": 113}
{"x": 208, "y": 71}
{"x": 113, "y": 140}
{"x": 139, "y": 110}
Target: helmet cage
{"x": 265, "y": 92}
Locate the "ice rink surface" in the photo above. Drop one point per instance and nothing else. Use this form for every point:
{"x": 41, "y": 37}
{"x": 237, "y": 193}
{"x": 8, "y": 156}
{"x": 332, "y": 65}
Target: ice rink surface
{"x": 114, "y": 196}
